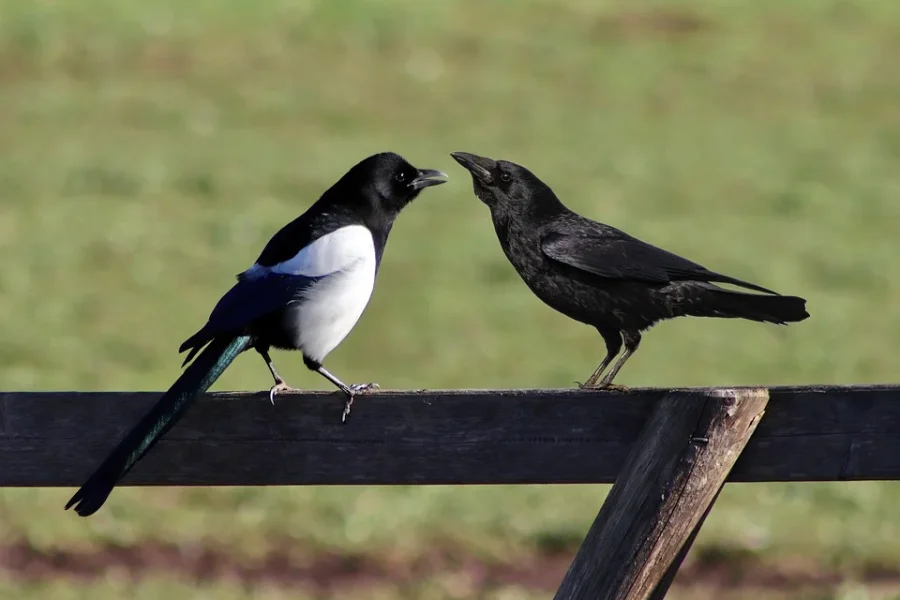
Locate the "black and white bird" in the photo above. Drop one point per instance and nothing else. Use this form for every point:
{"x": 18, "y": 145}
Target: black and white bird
{"x": 601, "y": 276}
{"x": 305, "y": 292}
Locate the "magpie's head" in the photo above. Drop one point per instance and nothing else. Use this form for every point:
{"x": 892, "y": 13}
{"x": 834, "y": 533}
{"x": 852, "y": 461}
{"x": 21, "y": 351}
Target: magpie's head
{"x": 391, "y": 181}
{"x": 505, "y": 186}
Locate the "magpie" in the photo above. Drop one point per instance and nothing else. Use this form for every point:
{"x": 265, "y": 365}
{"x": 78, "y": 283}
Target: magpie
{"x": 601, "y": 276}
{"x": 305, "y": 292}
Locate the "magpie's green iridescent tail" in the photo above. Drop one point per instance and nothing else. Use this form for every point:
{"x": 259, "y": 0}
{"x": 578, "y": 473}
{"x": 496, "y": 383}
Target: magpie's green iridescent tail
{"x": 196, "y": 379}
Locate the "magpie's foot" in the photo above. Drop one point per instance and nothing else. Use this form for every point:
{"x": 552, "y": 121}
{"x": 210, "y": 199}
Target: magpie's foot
{"x": 352, "y": 391}
{"x": 279, "y": 387}
{"x": 359, "y": 388}
{"x": 605, "y": 387}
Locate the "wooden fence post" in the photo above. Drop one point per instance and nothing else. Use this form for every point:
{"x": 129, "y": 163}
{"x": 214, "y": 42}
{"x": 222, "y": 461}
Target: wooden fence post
{"x": 673, "y": 474}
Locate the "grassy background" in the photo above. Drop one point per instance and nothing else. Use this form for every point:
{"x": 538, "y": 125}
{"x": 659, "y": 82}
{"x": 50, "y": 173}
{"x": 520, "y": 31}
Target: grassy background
{"x": 149, "y": 149}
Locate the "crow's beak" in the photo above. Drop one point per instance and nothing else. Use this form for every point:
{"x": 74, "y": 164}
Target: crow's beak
{"x": 479, "y": 166}
{"x": 427, "y": 178}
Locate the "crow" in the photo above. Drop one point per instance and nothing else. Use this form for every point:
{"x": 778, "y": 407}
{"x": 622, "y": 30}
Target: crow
{"x": 601, "y": 276}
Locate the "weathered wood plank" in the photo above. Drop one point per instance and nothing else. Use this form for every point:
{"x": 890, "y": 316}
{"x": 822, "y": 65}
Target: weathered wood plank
{"x": 662, "y": 588}
{"x": 677, "y": 467}
{"x": 433, "y": 437}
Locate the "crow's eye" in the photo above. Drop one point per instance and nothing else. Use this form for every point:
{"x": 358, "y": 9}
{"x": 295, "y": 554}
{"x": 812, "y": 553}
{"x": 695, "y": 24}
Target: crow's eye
{"x": 505, "y": 177}
{"x": 400, "y": 177}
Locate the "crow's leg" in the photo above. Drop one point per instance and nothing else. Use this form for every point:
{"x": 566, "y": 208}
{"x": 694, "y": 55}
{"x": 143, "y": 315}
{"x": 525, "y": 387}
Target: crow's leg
{"x": 613, "y": 341}
{"x": 632, "y": 341}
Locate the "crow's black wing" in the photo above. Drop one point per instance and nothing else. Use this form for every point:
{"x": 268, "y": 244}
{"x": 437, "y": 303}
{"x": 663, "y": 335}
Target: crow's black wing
{"x": 612, "y": 254}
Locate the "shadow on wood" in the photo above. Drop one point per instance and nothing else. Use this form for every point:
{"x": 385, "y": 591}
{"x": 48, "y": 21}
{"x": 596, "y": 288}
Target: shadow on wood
{"x": 676, "y": 469}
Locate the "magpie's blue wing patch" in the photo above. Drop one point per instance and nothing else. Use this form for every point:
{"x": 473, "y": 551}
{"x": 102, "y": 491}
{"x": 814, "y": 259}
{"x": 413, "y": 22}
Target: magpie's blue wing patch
{"x": 248, "y": 300}
{"x": 251, "y": 299}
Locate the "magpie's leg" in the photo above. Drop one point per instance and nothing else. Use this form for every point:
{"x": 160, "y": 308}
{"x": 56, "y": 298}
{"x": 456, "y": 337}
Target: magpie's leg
{"x": 632, "y": 341}
{"x": 350, "y": 390}
{"x": 280, "y": 385}
{"x": 613, "y": 341}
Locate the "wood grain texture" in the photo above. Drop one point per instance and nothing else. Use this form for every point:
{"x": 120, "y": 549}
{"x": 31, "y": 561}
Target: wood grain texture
{"x": 677, "y": 467}
{"x": 431, "y": 437}
{"x": 662, "y": 588}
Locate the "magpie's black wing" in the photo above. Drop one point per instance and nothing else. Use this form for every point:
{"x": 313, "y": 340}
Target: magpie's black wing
{"x": 612, "y": 254}
{"x": 254, "y": 297}
{"x": 249, "y": 299}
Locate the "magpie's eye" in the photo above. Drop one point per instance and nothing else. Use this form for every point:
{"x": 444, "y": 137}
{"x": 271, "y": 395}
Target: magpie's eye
{"x": 400, "y": 177}
{"x": 505, "y": 177}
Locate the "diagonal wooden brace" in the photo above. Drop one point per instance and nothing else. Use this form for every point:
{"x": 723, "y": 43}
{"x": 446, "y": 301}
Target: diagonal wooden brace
{"x": 669, "y": 482}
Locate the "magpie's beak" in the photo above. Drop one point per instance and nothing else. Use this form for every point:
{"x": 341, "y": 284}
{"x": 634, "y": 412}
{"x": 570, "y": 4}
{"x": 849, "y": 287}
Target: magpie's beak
{"x": 427, "y": 178}
{"x": 479, "y": 166}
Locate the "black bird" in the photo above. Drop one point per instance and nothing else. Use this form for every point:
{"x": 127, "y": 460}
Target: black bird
{"x": 305, "y": 292}
{"x": 601, "y": 276}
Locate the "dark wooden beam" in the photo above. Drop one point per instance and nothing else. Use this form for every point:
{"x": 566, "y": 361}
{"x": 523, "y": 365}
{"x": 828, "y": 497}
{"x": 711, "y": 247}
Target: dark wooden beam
{"x": 432, "y": 437}
{"x": 674, "y": 472}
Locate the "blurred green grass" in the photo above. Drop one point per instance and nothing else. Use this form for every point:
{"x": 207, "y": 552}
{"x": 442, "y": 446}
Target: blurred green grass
{"x": 148, "y": 151}
{"x": 161, "y": 588}
{"x": 155, "y": 588}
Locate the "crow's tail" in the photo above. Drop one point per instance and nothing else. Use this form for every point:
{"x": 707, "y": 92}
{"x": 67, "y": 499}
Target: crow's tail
{"x": 196, "y": 379}
{"x": 755, "y": 307}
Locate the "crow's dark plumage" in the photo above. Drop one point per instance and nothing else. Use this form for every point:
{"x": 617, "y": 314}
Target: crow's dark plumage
{"x": 601, "y": 276}
{"x": 306, "y": 291}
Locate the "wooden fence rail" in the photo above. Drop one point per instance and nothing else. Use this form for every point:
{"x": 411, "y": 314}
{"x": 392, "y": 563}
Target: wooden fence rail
{"x": 818, "y": 433}
{"x": 669, "y": 452}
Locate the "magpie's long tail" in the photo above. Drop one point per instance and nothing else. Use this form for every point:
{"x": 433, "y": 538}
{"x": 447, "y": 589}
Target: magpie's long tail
{"x": 755, "y": 307}
{"x": 196, "y": 379}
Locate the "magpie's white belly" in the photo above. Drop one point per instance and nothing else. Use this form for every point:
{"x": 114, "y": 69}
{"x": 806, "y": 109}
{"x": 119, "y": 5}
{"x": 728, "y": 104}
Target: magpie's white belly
{"x": 342, "y": 265}
{"x": 332, "y": 307}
